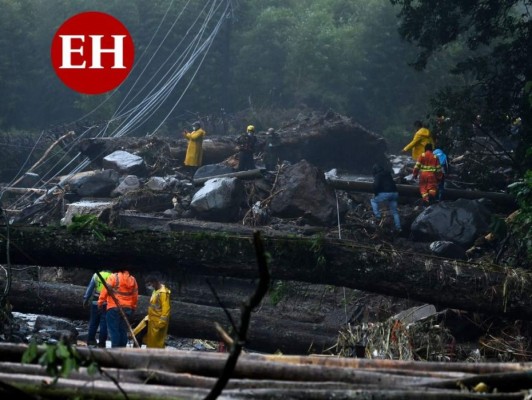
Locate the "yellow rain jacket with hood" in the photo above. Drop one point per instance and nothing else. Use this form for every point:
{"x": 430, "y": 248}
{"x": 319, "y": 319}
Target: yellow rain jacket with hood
{"x": 194, "y": 156}
{"x": 158, "y": 318}
{"x": 421, "y": 138}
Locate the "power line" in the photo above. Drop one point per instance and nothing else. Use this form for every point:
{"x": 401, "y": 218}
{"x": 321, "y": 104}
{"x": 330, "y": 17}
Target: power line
{"x": 170, "y": 75}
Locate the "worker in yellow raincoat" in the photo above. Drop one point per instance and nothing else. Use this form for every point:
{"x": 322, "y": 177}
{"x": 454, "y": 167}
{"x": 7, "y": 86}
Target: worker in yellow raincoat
{"x": 422, "y": 137}
{"x": 194, "y": 156}
{"x": 158, "y": 318}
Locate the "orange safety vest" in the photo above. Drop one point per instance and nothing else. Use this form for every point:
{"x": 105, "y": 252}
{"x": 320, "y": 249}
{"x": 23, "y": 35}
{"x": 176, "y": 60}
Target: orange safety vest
{"x": 125, "y": 289}
{"x": 429, "y": 169}
{"x": 428, "y": 163}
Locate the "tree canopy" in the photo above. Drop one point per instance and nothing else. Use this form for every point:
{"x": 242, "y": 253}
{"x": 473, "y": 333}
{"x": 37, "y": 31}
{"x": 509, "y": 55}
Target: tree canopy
{"x": 270, "y": 55}
{"x": 498, "y": 66}
{"x": 273, "y": 58}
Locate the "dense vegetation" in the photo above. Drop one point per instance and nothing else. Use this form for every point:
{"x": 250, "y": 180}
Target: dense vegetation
{"x": 270, "y": 56}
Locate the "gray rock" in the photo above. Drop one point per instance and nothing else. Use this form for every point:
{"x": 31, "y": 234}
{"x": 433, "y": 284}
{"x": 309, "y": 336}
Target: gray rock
{"x": 129, "y": 184}
{"x": 448, "y": 250}
{"x": 304, "y": 192}
{"x": 125, "y": 163}
{"x": 157, "y": 184}
{"x": 219, "y": 199}
{"x": 43, "y": 322}
{"x": 92, "y": 183}
{"x": 460, "y": 222}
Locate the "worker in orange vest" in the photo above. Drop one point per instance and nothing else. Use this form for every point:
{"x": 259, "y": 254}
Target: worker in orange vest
{"x": 429, "y": 170}
{"x": 125, "y": 290}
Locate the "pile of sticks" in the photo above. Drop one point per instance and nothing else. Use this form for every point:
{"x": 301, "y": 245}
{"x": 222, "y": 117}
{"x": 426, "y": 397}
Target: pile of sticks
{"x": 132, "y": 373}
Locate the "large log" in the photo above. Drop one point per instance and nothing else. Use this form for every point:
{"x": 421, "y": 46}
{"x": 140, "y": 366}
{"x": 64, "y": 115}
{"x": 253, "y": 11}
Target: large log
{"x": 253, "y": 173}
{"x": 326, "y": 140}
{"x": 450, "y": 283}
{"x": 503, "y": 199}
{"x": 267, "y": 332}
{"x": 257, "y": 376}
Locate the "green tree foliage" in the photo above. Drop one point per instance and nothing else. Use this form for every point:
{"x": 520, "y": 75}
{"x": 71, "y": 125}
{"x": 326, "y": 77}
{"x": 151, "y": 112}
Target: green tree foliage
{"x": 88, "y": 223}
{"x": 522, "y": 224}
{"x": 335, "y": 54}
{"x": 271, "y": 56}
{"x": 59, "y": 359}
{"x": 497, "y": 71}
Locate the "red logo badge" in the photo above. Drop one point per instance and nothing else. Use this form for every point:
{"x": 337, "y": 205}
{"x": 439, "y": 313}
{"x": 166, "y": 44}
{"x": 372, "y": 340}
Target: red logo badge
{"x": 92, "y": 52}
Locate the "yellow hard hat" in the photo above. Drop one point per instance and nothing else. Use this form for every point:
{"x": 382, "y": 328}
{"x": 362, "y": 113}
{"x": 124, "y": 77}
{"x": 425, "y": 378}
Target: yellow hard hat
{"x": 251, "y": 128}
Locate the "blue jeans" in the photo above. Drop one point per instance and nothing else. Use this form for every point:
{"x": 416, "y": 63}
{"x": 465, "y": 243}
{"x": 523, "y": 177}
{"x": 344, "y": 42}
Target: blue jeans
{"x": 117, "y": 326}
{"x": 97, "y": 318}
{"x": 391, "y": 199}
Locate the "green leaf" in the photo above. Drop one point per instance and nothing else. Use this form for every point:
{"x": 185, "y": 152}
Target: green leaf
{"x": 30, "y": 355}
{"x": 69, "y": 365}
{"x": 92, "y": 368}
{"x": 62, "y": 351}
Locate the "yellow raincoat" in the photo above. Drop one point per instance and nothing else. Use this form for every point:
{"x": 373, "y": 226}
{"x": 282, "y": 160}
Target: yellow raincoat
{"x": 158, "y": 318}
{"x": 194, "y": 154}
{"x": 421, "y": 138}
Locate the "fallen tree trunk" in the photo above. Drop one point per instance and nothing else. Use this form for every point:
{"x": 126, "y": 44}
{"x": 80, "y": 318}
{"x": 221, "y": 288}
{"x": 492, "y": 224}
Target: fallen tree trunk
{"x": 188, "y": 374}
{"x": 17, "y": 190}
{"x": 413, "y": 191}
{"x": 252, "y": 173}
{"x": 449, "y": 283}
{"x": 267, "y": 333}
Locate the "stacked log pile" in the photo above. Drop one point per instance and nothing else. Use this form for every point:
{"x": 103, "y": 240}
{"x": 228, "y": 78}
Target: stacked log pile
{"x": 153, "y": 373}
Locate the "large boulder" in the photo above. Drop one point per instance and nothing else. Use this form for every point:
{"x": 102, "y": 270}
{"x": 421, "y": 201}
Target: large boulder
{"x": 460, "y": 222}
{"x": 304, "y": 192}
{"x": 219, "y": 199}
{"x": 331, "y": 140}
{"x": 92, "y": 183}
{"x": 125, "y": 163}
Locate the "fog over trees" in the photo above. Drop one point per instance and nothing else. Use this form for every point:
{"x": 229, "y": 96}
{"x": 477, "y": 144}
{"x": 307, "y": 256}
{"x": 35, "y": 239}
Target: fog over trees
{"x": 272, "y": 59}
{"x": 270, "y": 55}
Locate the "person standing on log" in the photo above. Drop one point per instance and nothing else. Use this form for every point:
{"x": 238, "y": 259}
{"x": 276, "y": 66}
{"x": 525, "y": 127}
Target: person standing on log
{"x": 271, "y": 156}
{"x": 246, "y": 147}
{"x": 158, "y": 318}
{"x": 97, "y": 316}
{"x": 421, "y": 138}
{"x": 429, "y": 170}
{"x": 385, "y": 191}
{"x": 124, "y": 289}
{"x": 194, "y": 155}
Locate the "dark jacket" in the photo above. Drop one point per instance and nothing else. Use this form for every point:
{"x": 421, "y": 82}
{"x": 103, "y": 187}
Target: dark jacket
{"x": 382, "y": 181}
{"x": 247, "y": 142}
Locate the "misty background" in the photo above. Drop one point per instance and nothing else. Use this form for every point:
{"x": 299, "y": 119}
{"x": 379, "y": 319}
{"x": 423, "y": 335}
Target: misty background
{"x": 231, "y": 63}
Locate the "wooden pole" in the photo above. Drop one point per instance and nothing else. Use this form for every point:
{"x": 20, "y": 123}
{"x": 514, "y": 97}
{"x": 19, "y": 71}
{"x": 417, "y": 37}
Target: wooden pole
{"x": 252, "y": 173}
